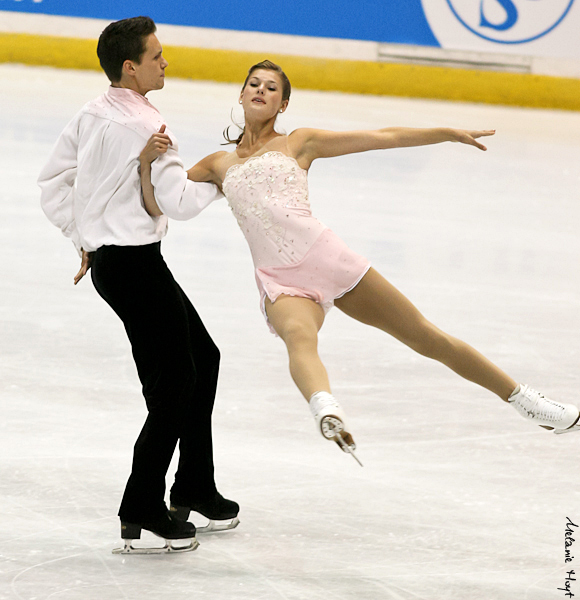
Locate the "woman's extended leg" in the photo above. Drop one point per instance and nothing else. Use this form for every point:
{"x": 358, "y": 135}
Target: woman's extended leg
{"x": 297, "y": 321}
{"x": 376, "y": 302}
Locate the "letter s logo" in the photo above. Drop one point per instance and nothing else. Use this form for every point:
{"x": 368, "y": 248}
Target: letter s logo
{"x": 500, "y": 21}
{"x": 511, "y": 16}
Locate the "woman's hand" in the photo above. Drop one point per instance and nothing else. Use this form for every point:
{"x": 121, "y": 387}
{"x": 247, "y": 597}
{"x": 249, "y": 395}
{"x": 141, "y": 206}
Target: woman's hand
{"x": 157, "y": 145}
{"x": 470, "y": 137}
{"x": 86, "y": 260}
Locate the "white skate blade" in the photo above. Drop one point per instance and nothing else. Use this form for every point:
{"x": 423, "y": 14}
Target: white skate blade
{"x": 348, "y": 449}
{"x": 569, "y": 430}
{"x": 168, "y": 548}
{"x": 213, "y": 525}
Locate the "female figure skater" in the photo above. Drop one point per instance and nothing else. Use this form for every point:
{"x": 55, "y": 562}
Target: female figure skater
{"x": 302, "y": 268}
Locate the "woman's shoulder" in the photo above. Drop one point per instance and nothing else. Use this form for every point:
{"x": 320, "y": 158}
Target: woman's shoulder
{"x": 298, "y": 143}
{"x": 216, "y": 162}
{"x": 209, "y": 168}
{"x": 303, "y": 133}
{"x": 301, "y": 137}
{"x": 215, "y": 158}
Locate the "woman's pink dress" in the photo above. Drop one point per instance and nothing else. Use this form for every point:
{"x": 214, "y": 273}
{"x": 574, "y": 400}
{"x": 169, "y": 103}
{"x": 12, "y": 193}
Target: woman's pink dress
{"x": 293, "y": 253}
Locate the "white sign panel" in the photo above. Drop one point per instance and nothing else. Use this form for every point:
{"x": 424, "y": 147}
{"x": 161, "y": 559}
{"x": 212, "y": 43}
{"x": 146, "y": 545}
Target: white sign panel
{"x": 544, "y": 28}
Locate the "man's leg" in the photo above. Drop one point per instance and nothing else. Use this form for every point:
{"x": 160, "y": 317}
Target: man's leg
{"x": 195, "y": 475}
{"x": 194, "y": 489}
{"x": 137, "y": 284}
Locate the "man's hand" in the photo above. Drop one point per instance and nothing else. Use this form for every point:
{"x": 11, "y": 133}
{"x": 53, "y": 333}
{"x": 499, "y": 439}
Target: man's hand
{"x": 86, "y": 260}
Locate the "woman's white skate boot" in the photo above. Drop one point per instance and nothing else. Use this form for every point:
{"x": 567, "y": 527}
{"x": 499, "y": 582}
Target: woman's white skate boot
{"x": 330, "y": 421}
{"x": 562, "y": 418}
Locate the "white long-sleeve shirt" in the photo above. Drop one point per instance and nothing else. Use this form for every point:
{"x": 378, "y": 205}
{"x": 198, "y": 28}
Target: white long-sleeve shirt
{"x": 91, "y": 187}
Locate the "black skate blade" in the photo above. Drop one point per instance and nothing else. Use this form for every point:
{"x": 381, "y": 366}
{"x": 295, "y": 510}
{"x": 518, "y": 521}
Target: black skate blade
{"x": 170, "y": 547}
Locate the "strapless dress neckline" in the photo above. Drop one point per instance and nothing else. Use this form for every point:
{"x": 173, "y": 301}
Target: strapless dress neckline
{"x": 259, "y": 157}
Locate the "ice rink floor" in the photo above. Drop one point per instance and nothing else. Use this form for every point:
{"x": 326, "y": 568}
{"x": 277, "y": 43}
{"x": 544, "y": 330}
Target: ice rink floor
{"x": 459, "y": 498}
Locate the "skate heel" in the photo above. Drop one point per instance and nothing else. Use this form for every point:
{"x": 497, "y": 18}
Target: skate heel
{"x": 178, "y": 536}
{"x": 331, "y": 422}
{"x": 130, "y": 531}
{"x": 222, "y": 514}
{"x": 331, "y": 426}
{"x": 179, "y": 512}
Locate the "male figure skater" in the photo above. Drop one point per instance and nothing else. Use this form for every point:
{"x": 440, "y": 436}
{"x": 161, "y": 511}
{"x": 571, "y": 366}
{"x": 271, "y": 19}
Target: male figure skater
{"x": 91, "y": 190}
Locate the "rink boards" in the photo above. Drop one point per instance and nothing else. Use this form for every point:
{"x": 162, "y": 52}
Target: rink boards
{"x": 419, "y": 50}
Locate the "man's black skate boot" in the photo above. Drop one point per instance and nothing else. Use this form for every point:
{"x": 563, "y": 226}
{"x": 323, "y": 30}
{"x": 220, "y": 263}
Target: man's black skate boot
{"x": 167, "y": 527}
{"x": 214, "y": 508}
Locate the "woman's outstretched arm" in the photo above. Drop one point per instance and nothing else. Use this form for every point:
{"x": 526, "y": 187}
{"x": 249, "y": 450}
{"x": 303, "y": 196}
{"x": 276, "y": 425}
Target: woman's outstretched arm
{"x": 310, "y": 144}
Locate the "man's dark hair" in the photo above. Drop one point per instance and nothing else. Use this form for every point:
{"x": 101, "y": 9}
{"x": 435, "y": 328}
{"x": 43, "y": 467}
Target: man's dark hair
{"x": 121, "y": 41}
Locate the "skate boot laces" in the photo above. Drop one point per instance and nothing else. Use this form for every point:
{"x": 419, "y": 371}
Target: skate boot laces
{"x": 535, "y": 406}
{"x": 320, "y": 401}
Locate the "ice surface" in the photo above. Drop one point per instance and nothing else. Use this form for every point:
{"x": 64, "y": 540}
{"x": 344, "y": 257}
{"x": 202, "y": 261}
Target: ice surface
{"x": 459, "y": 497}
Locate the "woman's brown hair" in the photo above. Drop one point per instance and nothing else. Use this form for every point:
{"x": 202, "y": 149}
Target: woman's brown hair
{"x": 266, "y": 65}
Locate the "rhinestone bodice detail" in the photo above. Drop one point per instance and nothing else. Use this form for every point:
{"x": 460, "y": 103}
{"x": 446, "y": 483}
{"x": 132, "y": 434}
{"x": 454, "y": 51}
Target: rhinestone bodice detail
{"x": 268, "y": 195}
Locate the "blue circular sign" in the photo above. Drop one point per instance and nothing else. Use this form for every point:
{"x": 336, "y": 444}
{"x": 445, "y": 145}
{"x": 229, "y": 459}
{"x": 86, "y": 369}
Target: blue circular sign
{"x": 512, "y": 16}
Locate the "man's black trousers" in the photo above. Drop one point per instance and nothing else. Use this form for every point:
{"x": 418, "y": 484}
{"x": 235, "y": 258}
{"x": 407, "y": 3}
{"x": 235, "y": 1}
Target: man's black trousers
{"x": 177, "y": 362}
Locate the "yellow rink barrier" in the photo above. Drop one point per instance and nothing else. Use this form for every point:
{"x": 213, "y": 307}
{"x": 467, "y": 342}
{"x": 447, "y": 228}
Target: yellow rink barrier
{"x": 351, "y": 76}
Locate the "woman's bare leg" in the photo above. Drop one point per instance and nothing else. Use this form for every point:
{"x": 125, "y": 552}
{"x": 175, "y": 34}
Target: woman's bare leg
{"x": 376, "y": 302}
{"x": 297, "y": 321}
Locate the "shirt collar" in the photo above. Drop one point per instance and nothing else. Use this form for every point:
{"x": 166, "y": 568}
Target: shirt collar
{"x": 120, "y": 93}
